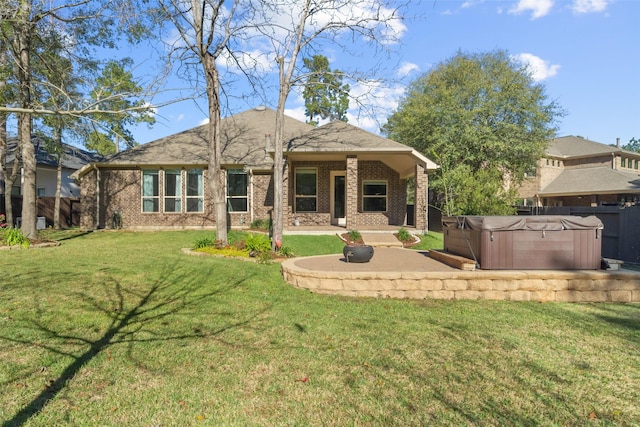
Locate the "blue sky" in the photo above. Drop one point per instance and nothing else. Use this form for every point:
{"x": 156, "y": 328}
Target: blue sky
{"x": 586, "y": 53}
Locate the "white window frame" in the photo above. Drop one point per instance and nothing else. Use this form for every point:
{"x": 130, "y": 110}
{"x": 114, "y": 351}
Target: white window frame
{"x": 384, "y": 196}
{"x": 305, "y": 196}
{"x": 153, "y": 197}
{"x": 176, "y": 198}
{"x": 200, "y": 190}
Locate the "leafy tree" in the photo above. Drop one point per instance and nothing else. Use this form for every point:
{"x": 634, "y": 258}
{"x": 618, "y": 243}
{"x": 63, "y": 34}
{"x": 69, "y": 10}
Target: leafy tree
{"x": 484, "y": 120}
{"x": 633, "y": 145}
{"x": 325, "y": 95}
{"x": 116, "y": 90}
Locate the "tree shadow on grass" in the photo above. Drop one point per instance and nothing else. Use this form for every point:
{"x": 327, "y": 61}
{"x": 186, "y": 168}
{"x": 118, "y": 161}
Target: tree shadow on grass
{"x": 130, "y": 314}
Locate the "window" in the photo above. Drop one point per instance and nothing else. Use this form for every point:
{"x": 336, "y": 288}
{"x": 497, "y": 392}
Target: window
{"x": 172, "y": 190}
{"x": 150, "y": 191}
{"x": 236, "y": 190}
{"x": 623, "y": 162}
{"x": 195, "y": 191}
{"x": 306, "y": 190}
{"x": 42, "y": 192}
{"x": 374, "y": 196}
{"x": 635, "y": 164}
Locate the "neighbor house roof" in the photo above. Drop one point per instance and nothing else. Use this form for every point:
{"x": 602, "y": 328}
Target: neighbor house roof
{"x": 593, "y": 180}
{"x": 570, "y": 146}
{"x": 73, "y": 157}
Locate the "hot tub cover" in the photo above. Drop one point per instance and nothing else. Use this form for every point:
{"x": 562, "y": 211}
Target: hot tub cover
{"x": 538, "y": 222}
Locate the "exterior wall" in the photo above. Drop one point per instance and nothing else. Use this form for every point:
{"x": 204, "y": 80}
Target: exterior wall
{"x": 262, "y": 196}
{"x": 356, "y": 172}
{"x": 590, "y": 162}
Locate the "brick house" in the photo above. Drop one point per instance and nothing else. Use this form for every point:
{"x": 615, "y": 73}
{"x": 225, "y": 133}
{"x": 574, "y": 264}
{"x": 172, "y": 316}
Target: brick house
{"x": 578, "y": 172}
{"x": 336, "y": 174}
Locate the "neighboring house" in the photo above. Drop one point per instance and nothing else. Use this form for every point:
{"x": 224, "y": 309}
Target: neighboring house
{"x": 46, "y": 169}
{"x": 46, "y": 176}
{"x": 578, "y": 172}
{"x": 334, "y": 174}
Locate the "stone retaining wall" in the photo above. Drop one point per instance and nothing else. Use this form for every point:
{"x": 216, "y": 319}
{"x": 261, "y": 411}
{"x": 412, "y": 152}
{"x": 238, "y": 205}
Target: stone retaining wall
{"x": 543, "y": 286}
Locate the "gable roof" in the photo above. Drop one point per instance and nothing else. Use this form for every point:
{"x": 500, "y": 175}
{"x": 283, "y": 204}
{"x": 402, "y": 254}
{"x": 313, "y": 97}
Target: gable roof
{"x": 574, "y": 147}
{"x": 72, "y": 158}
{"x": 593, "y": 180}
{"x": 243, "y": 142}
{"x": 247, "y": 139}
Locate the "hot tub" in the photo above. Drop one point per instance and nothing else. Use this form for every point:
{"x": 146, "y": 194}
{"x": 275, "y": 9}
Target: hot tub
{"x": 542, "y": 242}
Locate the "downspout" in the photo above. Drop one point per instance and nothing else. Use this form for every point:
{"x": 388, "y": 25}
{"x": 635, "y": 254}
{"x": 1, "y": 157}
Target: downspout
{"x": 97, "y": 224}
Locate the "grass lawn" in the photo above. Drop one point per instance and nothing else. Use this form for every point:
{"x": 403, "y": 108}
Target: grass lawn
{"x": 121, "y": 328}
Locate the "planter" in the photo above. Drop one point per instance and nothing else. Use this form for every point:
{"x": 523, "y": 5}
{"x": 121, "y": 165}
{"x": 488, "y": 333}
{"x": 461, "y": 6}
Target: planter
{"x": 358, "y": 253}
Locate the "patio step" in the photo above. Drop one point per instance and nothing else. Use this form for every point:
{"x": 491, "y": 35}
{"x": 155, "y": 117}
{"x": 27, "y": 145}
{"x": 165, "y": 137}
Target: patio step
{"x": 381, "y": 239}
{"x": 452, "y": 260}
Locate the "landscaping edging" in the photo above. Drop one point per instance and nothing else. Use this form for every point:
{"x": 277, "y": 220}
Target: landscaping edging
{"x": 538, "y": 285}
{"x": 31, "y": 246}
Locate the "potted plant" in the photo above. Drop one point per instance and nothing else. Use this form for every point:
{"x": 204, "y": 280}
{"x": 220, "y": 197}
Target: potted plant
{"x": 355, "y": 250}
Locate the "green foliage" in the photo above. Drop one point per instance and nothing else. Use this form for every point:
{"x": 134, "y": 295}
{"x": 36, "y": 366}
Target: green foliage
{"x": 258, "y": 244}
{"x": 229, "y": 251}
{"x": 633, "y": 145}
{"x": 14, "y": 237}
{"x": 404, "y": 235}
{"x": 473, "y": 113}
{"x": 325, "y": 96}
{"x": 286, "y": 251}
{"x": 354, "y": 235}
{"x": 204, "y": 242}
{"x": 261, "y": 224}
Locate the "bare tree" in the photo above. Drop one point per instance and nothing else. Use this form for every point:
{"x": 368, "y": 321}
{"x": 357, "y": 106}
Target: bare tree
{"x": 302, "y": 27}
{"x": 206, "y": 30}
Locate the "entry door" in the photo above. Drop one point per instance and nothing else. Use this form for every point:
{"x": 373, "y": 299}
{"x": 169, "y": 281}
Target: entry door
{"x": 338, "y": 198}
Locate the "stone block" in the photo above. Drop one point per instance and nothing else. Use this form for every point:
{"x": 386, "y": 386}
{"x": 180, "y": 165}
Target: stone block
{"x": 505, "y": 285}
{"x": 481, "y": 285}
{"x": 520, "y": 296}
{"x": 417, "y": 294}
{"x": 532, "y": 285}
{"x": 495, "y": 295}
{"x": 329, "y": 284}
{"x": 543, "y": 296}
{"x": 441, "y": 294}
{"x": 620, "y": 296}
{"x": 454, "y": 285}
{"x": 468, "y": 295}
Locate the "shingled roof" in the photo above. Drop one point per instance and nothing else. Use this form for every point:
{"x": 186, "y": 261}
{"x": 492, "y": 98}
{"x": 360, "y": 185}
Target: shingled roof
{"x": 72, "y": 158}
{"x": 576, "y": 147}
{"x": 243, "y": 142}
{"x": 593, "y": 180}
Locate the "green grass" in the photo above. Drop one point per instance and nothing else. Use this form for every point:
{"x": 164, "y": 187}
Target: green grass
{"x": 121, "y": 328}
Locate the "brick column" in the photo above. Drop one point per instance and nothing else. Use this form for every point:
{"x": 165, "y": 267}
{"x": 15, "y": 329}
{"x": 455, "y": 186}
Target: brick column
{"x": 421, "y": 198}
{"x": 352, "y": 192}
{"x": 88, "y": 201}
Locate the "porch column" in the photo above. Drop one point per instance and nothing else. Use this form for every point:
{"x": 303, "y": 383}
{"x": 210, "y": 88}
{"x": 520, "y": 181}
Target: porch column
{"x": 286, "y": 209}
{"x": 352, "y": 192}
{"x": 421, "y": 198}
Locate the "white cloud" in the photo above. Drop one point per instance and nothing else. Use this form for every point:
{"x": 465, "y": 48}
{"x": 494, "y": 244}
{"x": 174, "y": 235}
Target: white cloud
{"x": 588, "y": 6}
{"x": 406, "y": 68}
{"x": 540, "y": 69}
{"x": 539, "y": 8}
{"x": 204, "y": 121}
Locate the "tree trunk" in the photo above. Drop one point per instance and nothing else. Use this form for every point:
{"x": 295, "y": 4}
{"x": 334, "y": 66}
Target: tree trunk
{"x": 59, "y": 152}
{"x": 277, "y": 219}
{"x": 216, "y": 174}
{"x": 24, "y": 134}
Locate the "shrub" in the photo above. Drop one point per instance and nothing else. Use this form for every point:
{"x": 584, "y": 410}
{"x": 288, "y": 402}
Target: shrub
{"x": 286, "y": 251}
{"x": 261, "y": 224}
{"x": 204, "y": 242}
{"x": 258, "y": 244}
{"x": 14, "y": 237}
{"x": 404, "y": 235}
{"x": 354, "y": 235}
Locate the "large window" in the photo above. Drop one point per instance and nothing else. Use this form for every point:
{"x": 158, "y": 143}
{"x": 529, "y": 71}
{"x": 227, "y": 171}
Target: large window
{"x": 195, "y": 191}
{"x": 150, "y": 191}
{"x": 236, "y": 190}
{"x": 306, "y": 190}
{"x": 172, "y": 190}
{"x": 374, "y": 196}
{"x": 174, "y": 199}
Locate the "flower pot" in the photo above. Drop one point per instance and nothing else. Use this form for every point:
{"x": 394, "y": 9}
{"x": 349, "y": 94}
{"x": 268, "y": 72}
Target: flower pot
{"x": 358, "y": 253}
